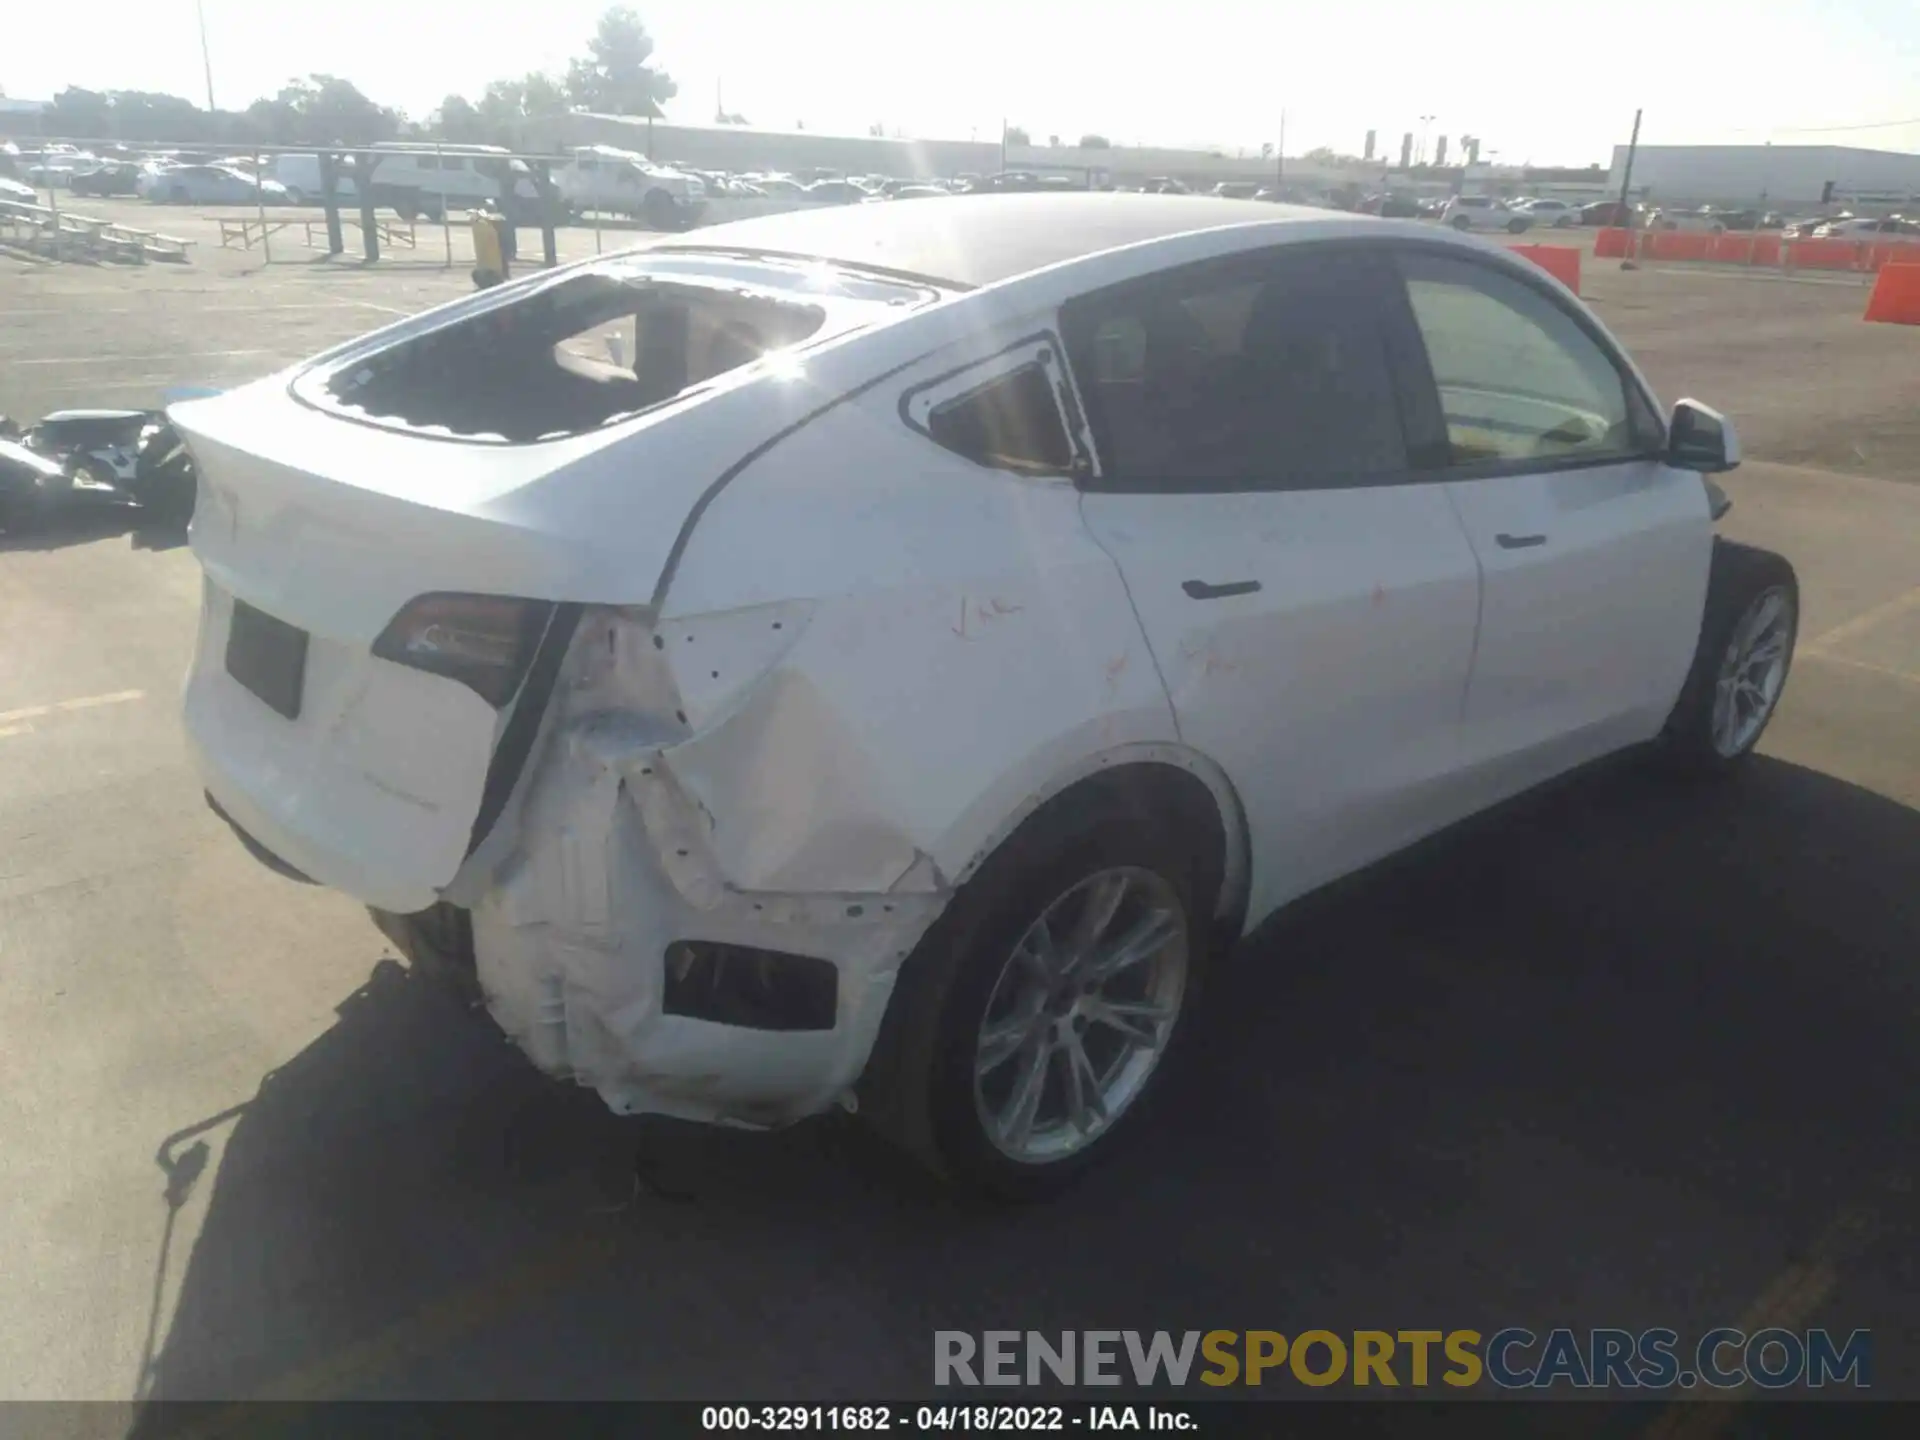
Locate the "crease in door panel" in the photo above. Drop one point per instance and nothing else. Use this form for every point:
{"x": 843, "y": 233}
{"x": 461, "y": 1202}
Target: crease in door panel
{"x": 1146, "y": 636}
{"x": 1479, "y": 598}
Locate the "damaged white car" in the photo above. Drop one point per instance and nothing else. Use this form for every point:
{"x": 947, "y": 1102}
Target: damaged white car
{"x": 877, "y": 656}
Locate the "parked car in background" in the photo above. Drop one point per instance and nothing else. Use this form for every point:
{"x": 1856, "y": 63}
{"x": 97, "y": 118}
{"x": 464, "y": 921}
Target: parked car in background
{"x": 620, "y": 182}
{"x": 53, "y": 166}
{"x": 18, "y": 192}
{"x": 415, "y": 183}
{"x": 919, "y": 192}
{"x": 1485, "y": 212}
{"x": 209, "y": 185}
{"x": 1237, "y": 189}
{"x": 1803, "y": 228}
{"x": 1295, "y": 195}
{"x": 908, "y": 737}
{"x": 1892, "y": 228}
{"x": 1165, "y": 185}
{"x": 1557, "y": 214}
{"x": 780, "y": 187}
{"x": 835, "y": 192}
{"x": 109, "y": 177}
{"x": 1706, "y": 219}
{"x": 301, "y": 175}
{"x": 1606, "y": 212}
{"x": 1391, "y": 205}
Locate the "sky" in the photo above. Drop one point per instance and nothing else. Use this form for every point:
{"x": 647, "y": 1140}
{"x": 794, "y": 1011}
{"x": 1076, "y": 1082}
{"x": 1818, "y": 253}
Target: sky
{"x": 1539, "y": 82}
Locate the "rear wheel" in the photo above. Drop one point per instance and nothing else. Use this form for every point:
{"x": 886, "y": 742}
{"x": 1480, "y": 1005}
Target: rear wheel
{"x": 1037, "y": 1016}
{"x": 659, "y": 211}
{"x": 1517, "y": 227}
{"x": 1461, "y": 222}
{"x": 1740, "y": 668}
{"x": 178, "y": 195}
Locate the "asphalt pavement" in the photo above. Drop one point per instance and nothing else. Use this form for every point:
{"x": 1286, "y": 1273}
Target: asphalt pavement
{"x": 1635, "y": 1053}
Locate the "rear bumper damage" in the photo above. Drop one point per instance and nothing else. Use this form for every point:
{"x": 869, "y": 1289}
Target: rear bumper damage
{"x": 610, "y": 935}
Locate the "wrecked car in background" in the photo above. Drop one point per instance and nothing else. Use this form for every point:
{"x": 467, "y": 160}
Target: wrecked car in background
{"x": 95, "y": 457}
{"x": 876, "y": 655}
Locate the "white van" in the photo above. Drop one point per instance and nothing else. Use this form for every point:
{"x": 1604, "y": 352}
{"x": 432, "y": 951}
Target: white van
{"x": 300, "y": 173}
{"x": 453, "y": 177}
{"x": 621, "y": 182}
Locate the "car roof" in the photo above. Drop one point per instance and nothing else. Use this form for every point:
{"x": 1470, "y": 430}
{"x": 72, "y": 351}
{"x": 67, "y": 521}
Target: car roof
{"x": 982, "y": 239}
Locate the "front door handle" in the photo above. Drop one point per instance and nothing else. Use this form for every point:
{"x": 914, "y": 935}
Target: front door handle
{"x": 1201, "y": 590}
{"x": 1518, "y": 542}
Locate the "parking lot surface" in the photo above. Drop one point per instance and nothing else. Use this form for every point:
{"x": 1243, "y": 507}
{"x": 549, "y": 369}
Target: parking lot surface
{"x": 1632, "y": 1054}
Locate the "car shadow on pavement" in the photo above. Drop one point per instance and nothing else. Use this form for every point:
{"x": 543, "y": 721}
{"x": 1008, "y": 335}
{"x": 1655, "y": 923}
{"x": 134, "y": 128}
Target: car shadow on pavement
{"x": 1613, "y": 1057}
{"x": 84, "y": 524}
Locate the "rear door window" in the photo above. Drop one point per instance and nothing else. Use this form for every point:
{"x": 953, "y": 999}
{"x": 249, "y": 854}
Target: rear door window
{"x": 1264, "y": 372}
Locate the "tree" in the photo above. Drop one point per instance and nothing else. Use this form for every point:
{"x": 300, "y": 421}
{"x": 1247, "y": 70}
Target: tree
{"x": 1017, "y": 135}
{"x": 614, "y": 77}
{"x": 877, "y": 130}
{"x": 541, "y": 94}
{"x": 1266, "y": 150}
{"x": 1095, "y": 142}
{"x": 458, "y": 121}
{"x": 83, "y": 114}
{"x": 321, "y": 109}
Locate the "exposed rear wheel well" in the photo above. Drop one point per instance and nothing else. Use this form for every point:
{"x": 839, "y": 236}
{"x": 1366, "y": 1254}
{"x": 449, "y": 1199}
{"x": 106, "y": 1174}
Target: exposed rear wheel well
{"x": 1166, "y": 794}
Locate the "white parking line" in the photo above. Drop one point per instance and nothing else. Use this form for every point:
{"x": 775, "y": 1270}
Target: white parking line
{"x": 1863, "y": 622}
{"x": 383, "y": 309}
{"x": 85, "y": 702}
{"x": 6, "y": 730}
{"x": 126, "y": 359}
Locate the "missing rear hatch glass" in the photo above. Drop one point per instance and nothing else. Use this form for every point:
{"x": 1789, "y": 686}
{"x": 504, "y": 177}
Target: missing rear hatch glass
{"x": 564, "y": 358}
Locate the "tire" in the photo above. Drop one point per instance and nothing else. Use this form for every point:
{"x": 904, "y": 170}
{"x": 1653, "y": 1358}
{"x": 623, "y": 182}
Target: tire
{"x": 296, "y": 196}
{"x": 407, "y": 209}
{"x": 1741, "y": 584}
{"x": 1518, "y": 227}
{"x": 920, "y": 1089}
{"x": 179, "y": 195}
{"x": 1461, "y": 222}
{"x": 659, "y": 211}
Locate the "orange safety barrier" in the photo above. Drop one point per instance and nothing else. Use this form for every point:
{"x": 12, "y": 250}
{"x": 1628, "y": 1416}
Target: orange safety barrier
{"x": 1896, "y": 295}
{"x": 1824, "y": 254}
{"x": 1678, "y": 245}
{"x": 1610, "y": 244}
{"x": 1560, "y": 261}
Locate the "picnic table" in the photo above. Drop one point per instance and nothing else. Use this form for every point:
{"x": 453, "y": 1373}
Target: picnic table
{"x": 394, "y": 234}
{"x": 247, "y": 230}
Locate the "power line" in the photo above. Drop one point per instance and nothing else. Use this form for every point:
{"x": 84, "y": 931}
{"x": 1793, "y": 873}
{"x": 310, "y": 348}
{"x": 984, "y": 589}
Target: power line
{"x": 1828, "y": 129}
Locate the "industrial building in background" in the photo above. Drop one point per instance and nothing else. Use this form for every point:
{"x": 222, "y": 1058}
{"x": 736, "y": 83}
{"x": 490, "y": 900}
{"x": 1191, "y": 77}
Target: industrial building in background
{"x": 1773, "y": 176}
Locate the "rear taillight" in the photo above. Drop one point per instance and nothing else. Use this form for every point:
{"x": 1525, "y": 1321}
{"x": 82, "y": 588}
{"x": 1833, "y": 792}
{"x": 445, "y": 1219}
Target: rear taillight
{"x": 485, "y": 642}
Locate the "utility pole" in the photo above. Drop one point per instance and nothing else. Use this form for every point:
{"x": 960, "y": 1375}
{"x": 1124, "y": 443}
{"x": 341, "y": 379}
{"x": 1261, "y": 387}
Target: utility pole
{"x": 206, "y": 58}
{"x": 1280, "y": 154}
{"x": 1626, "y": 188}
{"x": 1003, "y": 144}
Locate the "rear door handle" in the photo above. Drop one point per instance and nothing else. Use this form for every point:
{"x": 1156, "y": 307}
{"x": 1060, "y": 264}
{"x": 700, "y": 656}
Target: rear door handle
{"x": 1518, "y": 542}
{"x": 1201, "y": 590}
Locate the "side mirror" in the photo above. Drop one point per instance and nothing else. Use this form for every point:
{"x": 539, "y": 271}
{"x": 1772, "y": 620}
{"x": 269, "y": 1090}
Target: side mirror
{"x": 1701, "y": 438}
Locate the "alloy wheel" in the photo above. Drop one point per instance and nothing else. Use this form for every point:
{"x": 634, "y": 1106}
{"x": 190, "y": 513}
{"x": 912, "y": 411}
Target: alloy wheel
{"x": 1080, "y": 1015}
{"x": 1753, "y": 671}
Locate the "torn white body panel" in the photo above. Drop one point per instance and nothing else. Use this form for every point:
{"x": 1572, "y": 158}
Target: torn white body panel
{"x": 801, "y": 776}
